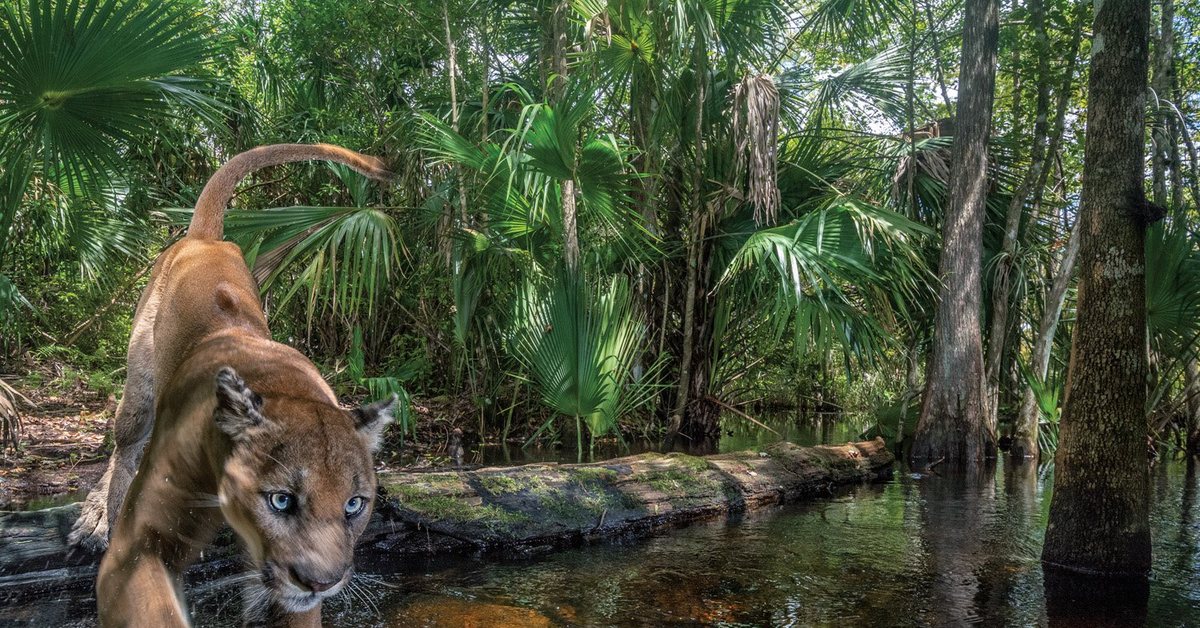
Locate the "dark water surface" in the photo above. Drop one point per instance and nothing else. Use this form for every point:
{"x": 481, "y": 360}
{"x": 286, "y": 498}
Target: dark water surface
{"x": 920, "y": 550}
{"x": 929, "y": 551}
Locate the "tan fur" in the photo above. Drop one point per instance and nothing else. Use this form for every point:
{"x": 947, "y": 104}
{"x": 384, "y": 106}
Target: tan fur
{"x": 201, "y": 314}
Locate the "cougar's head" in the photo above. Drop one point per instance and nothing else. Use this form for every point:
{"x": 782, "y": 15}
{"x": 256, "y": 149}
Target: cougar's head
{"x": 298, "y": 486}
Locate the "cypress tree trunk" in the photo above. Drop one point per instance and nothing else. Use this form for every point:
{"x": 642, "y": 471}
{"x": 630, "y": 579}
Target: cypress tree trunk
{"x": 1099, "y": 515}
{"x": 952, "y": 424}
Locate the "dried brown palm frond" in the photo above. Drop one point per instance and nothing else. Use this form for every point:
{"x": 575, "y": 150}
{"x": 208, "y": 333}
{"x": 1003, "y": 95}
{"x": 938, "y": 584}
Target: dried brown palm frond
{"x": 931, "y": 162}
{"x": 755, "y": 136}
{"x": 10, "y": 417}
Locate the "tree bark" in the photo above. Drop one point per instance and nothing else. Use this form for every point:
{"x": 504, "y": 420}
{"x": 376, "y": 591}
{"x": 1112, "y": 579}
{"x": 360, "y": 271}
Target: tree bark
{"x": 952, "y": 424}
{"x": 1001, "y": 299}
{"x": 1099, "y": 514}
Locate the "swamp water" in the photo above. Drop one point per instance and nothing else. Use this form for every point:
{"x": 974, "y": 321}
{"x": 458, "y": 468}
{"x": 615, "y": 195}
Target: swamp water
{"x": 923, "y": 550}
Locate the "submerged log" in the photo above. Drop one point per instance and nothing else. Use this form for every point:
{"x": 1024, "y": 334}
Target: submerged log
{"x": 525, "y": 509}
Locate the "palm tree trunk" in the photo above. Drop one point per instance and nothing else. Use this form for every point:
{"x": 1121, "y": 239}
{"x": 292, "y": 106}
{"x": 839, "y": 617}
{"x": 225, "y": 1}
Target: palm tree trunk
{"x": 696, "y": 243}
{"x": 952, "y": 424}
{"x": 578, "y": 439}
{"x": 1001, "y": 299}
{"x": 570, "y": 230}
{"x": 555, "y": 91}
{"x": 1099, "y": 514}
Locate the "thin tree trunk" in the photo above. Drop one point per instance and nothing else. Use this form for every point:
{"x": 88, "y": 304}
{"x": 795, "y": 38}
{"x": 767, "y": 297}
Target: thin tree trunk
{"x": 570, "y": 229}
{"x": 937, "y": 59}
{"x": 1192, "y": 391}
{"x": 1064, "y": 101}
{"x": 1099, "y": 514}
{"x": 1193, "y": 160}
{"x": 952, "y": 424}
{"x": 1161, "y": 134}
{"x": 485, "y": 45}
{"x": 555, "y": 91}
{"x": 695, "y": 249}
{"x": 1025, "y": 436}
{"x": 1025, "y": 432}
{"x": 452, "y": 72}
{"x": 1001, "y": 287}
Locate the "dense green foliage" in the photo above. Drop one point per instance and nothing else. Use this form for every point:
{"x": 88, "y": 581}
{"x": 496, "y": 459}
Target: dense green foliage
{"x": 755, "y": 188}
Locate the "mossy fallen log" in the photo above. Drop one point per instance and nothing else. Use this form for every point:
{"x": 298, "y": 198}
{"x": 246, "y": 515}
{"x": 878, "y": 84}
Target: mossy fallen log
{"x": 524, "y": 509}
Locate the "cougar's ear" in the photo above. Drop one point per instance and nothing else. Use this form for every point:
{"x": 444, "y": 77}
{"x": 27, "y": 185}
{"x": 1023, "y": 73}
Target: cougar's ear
{"x": 239, "y": 409}
{"x": 371, "y": 418}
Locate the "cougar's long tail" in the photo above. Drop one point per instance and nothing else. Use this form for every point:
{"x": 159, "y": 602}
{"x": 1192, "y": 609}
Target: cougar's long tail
{"x": 208, "y": 221}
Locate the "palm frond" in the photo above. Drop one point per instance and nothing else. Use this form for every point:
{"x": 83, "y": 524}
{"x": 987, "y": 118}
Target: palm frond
{"x": 854, "y": 20}
{"x": 344, "y": 255}
{"x": 874, "y": 85}
{"x": 77, "y": 80}
{"x": 1173, "y": 290}
{"x": 581, "y": 346}
{"x": 833, "y": 272}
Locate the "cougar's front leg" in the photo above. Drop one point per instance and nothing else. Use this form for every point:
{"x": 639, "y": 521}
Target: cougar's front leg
{"x": 135, "y": 588}
{"x": 131, "y": 428}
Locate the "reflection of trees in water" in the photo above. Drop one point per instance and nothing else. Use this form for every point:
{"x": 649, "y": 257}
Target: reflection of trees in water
{"x": 956, "y": 509}
{"x": 982, "y": 545}
{"x": 1188, "y": 559}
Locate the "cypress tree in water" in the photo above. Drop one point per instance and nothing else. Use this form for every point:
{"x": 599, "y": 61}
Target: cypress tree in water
{"x": 1099, "y": 515}
{"x": 952, "y": 424}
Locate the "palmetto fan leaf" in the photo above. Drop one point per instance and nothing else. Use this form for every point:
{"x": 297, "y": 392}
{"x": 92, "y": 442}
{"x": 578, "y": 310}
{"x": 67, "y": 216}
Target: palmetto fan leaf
{"x": 854, "y": 20}
{"x": 1173, "y": 291}
{"x": 581, "y": 345}
{"x": 79, "y": 78}
{"x": 874, "y": 84}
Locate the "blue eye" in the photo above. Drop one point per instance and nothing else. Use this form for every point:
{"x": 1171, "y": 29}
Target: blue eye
{"x": 280, "y": 502}
{"x": 355, "y": 505}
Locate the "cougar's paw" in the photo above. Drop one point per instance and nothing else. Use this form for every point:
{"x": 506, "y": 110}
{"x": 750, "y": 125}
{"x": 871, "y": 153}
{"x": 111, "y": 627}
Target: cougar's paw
{"x": 90, "y": 533}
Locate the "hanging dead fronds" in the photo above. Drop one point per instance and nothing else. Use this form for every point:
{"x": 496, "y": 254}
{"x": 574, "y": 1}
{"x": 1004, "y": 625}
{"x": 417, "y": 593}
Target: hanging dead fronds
{"x": 10, "y": 418}
{"x": 755, "y": 136}
{"x": 931, "y": 161}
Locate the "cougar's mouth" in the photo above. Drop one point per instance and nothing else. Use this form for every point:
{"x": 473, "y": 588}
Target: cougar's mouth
{"x": 292, "y": 596}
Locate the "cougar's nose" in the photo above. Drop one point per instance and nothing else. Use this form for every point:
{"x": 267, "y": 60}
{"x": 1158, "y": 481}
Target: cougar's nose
{"x": 316, "y": 584}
